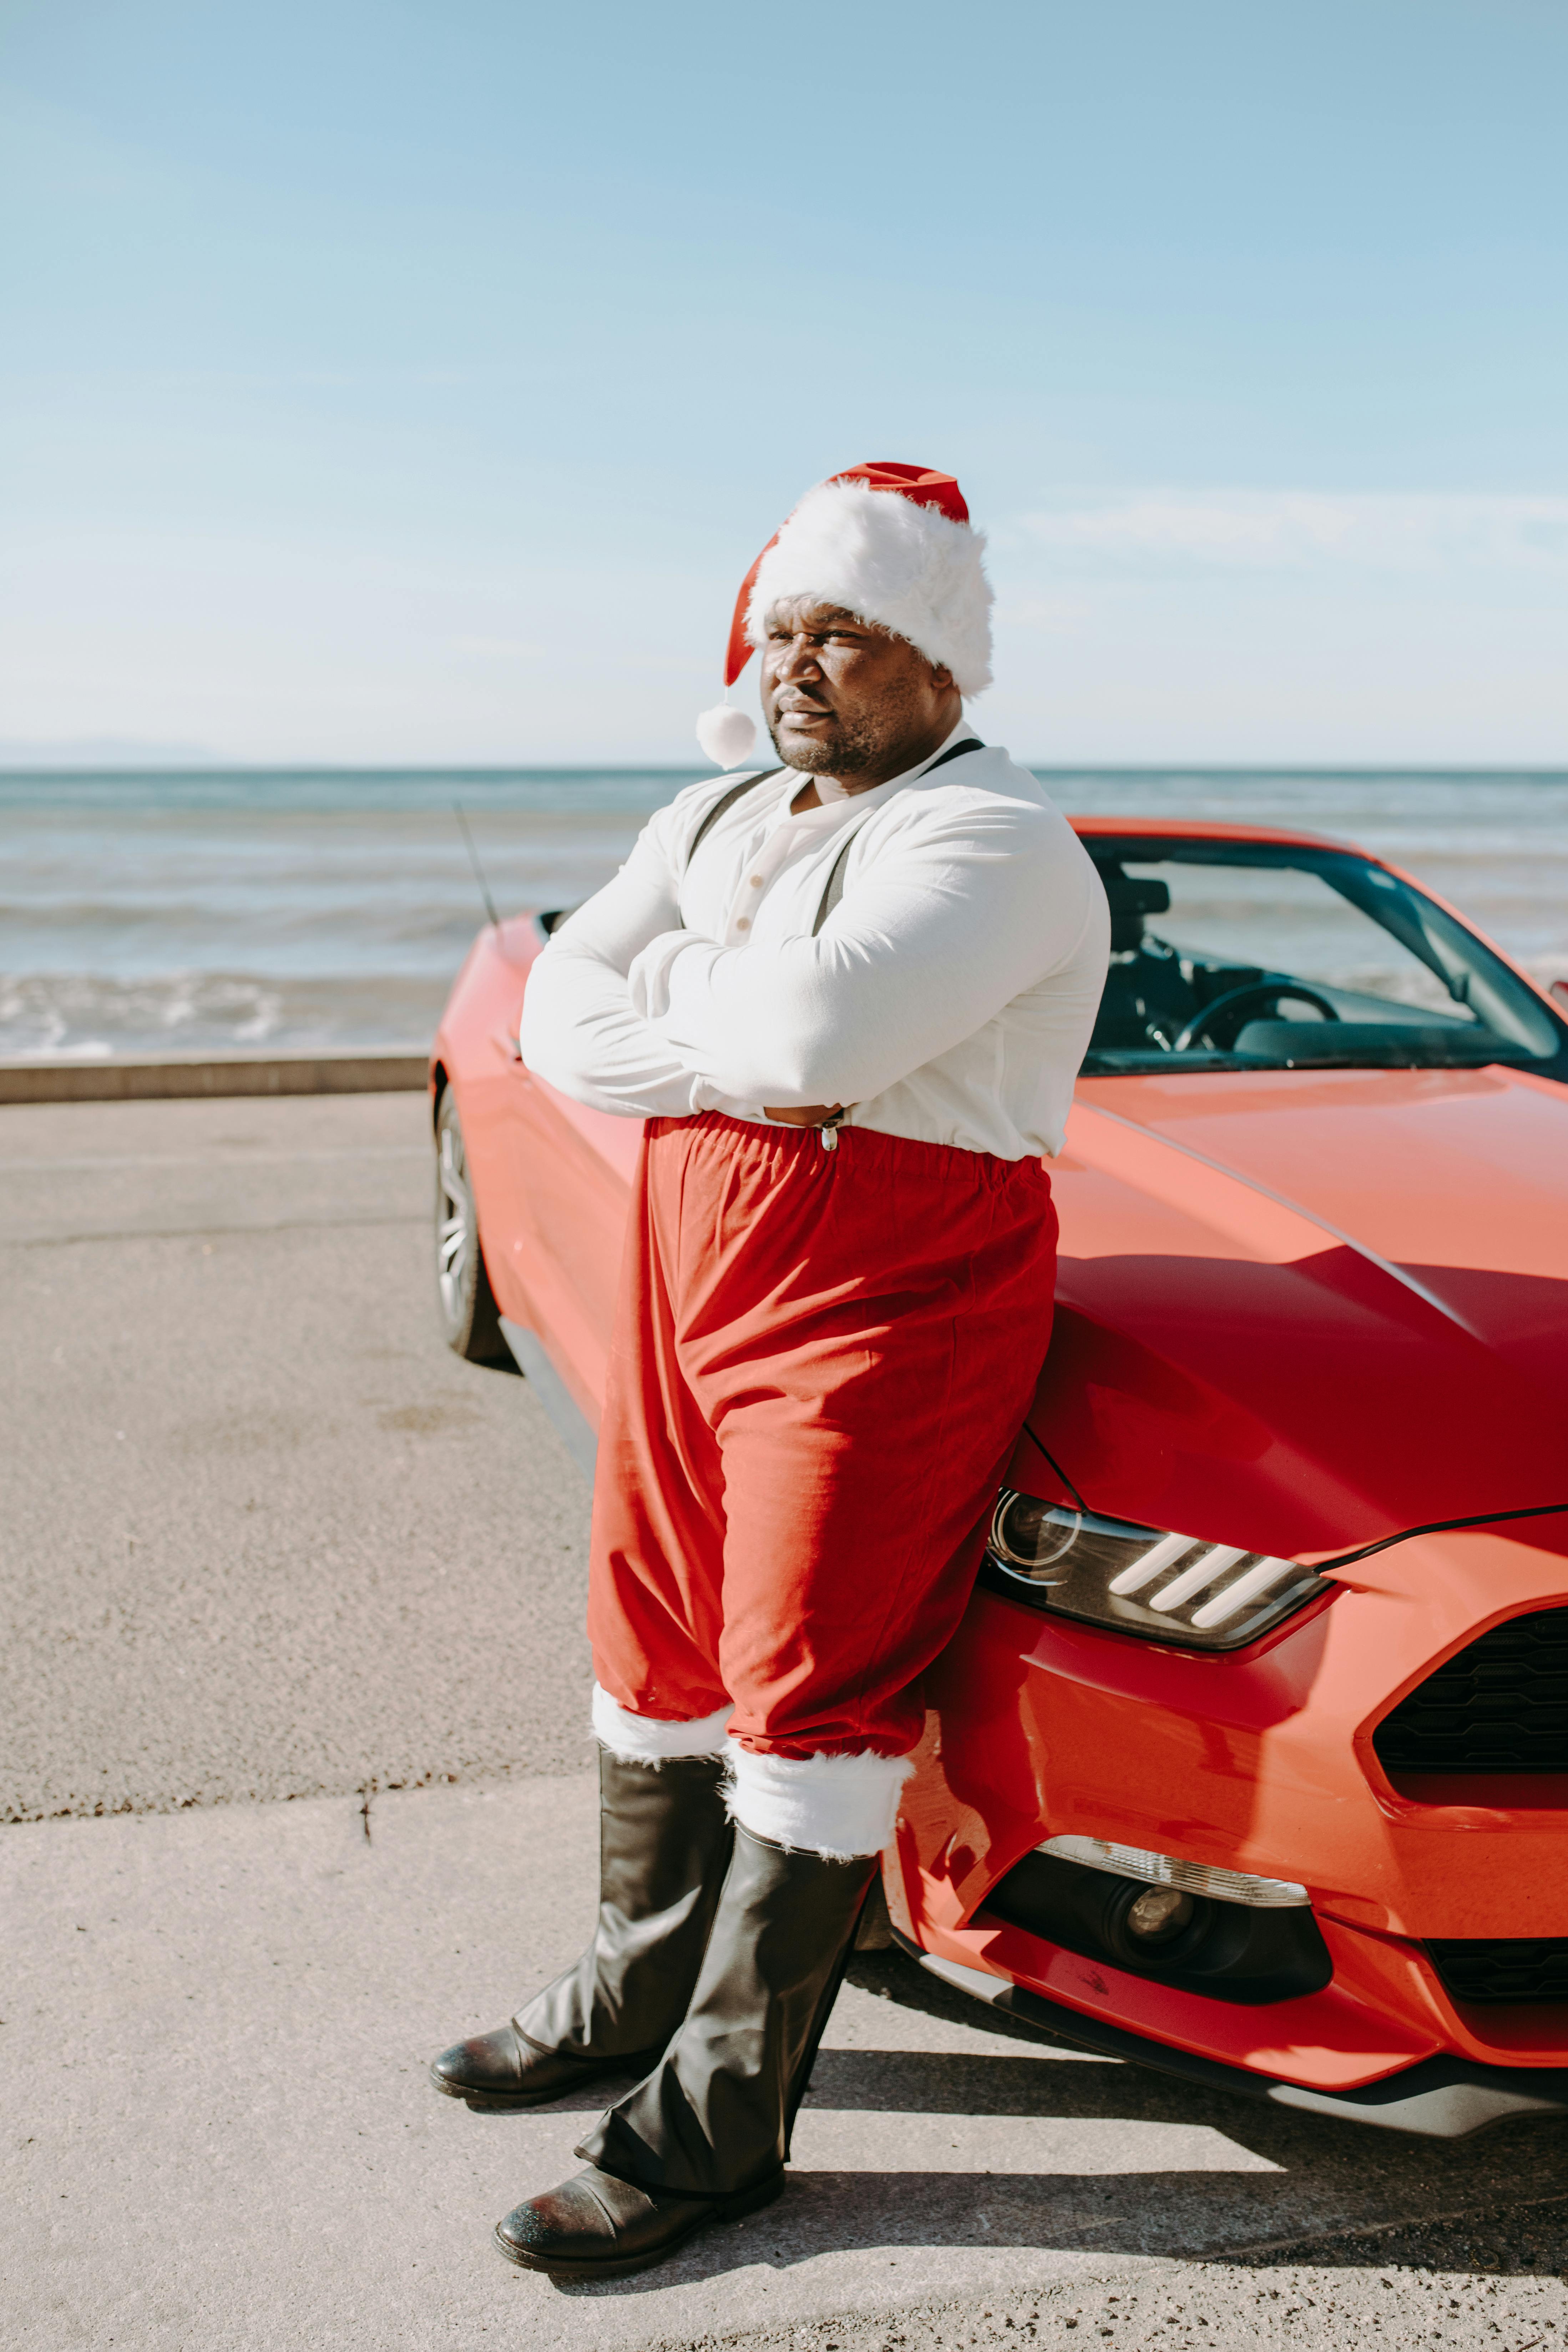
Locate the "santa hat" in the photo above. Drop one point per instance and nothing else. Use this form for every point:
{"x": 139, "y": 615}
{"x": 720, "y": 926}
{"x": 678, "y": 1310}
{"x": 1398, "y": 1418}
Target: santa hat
{"x": 890, "y": 544}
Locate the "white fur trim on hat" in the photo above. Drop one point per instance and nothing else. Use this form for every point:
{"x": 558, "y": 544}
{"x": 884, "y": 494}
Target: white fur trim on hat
{"x": 644, "y": 1740}
{"x": 908, "y": 568}
{"x": 836, "y": 1806}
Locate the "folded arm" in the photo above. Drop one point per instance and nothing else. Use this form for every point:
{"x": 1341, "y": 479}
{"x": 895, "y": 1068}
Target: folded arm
{"x": 944, "y": 929}
{"x": 579, "y": 1028}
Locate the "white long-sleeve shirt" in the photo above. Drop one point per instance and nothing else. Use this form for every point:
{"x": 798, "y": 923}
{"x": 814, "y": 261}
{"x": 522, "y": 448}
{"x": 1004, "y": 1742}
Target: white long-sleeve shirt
{"x": 949, "y": 996}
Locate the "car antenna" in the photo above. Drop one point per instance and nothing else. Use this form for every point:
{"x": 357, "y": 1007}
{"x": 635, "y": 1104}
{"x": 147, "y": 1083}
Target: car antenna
{"x": 479, "y": 869}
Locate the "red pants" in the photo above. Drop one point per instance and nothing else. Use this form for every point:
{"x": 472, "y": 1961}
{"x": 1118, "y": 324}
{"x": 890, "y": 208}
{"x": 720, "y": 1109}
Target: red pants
{"x": 821, "y": 1362}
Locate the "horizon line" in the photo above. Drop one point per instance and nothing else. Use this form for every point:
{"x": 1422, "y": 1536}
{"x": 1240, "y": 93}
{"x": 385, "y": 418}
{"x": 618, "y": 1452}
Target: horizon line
{"x": 127, "y": 771}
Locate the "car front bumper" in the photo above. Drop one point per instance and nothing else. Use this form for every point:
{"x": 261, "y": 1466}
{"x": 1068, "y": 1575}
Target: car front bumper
{"x": 1437, "y": 2098}
{"x": 1262, "y": 1761}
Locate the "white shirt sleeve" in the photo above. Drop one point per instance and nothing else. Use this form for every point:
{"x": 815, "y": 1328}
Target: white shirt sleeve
{"x": 579, "y": 1029}
{"x": 958, "y": 914}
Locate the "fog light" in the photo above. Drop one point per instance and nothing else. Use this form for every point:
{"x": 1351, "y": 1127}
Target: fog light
{"x": 1155, "y": 1927}
{"x": 1161, "y": 1913}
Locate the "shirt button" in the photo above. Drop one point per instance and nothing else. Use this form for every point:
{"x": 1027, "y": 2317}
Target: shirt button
{"x": 742, "y": 922}
{"x": 756, "y": 881}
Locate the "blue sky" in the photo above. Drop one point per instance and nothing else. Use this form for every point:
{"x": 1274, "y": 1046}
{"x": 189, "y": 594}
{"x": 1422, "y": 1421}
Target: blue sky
{"x": 413, "y": 382}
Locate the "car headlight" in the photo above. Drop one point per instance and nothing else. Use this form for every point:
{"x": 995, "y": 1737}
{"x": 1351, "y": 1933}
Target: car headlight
{"x": 1204, "y": 1596}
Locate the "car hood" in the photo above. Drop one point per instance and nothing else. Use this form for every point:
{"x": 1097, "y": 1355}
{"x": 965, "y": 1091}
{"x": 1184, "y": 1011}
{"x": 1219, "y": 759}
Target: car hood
{"x": 1303, "y": 1311}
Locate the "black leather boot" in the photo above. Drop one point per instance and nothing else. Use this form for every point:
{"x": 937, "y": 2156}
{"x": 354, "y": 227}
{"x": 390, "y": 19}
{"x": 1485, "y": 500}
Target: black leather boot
{"x": 663, "y": 1847}
{"x": 706, "y": 2137}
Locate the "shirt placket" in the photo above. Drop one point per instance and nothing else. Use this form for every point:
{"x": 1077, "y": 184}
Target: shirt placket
{"x": 766, "y": 858}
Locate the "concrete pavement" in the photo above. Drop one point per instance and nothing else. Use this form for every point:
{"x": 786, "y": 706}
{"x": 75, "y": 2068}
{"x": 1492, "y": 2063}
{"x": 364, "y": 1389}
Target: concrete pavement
{"x": 325, "y": 1554}
{"x": 264, "y": 1536}
{"x": 222, "y": 2136}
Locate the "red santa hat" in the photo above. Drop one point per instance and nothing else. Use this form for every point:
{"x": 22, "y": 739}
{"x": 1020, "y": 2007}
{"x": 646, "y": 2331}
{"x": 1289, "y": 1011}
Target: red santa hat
{"x": 891, "y": 544}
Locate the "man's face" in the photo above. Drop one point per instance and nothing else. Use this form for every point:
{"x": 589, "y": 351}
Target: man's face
{"x": 842, "y": 698}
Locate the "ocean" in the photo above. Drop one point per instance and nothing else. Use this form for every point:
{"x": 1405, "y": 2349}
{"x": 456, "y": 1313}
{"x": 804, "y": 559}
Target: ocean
{"x": 147, "y": 913}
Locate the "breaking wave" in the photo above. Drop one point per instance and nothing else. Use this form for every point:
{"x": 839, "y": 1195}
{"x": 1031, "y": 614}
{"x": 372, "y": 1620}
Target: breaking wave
{"x": 150, "y": 914}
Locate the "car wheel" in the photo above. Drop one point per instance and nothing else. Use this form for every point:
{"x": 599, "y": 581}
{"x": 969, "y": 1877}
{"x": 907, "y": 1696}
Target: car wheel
{"x": 469, "y": 1317}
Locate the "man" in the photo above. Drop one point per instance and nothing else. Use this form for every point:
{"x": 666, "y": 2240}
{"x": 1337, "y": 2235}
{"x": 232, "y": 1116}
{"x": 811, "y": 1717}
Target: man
{"x": 850, "y": 997}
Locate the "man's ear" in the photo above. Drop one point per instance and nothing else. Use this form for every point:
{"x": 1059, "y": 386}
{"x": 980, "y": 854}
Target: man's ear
{"x": 941, "y": 678}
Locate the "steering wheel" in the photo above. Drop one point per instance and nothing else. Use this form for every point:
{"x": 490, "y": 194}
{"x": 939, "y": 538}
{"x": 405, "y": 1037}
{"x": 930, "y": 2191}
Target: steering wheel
{"x": 1255, "y": 993}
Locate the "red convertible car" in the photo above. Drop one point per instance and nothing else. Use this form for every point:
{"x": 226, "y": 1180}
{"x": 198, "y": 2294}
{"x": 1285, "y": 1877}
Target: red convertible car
{"x": 1250, "y": 1757}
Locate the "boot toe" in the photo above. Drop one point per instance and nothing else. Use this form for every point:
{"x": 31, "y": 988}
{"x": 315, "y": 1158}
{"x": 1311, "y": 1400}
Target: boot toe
{"x": 488, "y": 2066}
{"x": 504, "y": 2069}
{"x": 593, "y": 2225}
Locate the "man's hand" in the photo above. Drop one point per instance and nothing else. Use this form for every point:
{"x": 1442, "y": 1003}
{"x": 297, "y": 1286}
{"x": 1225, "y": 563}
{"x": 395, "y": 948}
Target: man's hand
{"x": 803, "y": 1115}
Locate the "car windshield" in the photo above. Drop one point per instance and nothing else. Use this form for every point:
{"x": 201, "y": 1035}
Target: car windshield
{"x": 1270, "y": 956}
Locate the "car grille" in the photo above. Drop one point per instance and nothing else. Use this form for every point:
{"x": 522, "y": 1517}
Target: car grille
{"x": 1495, "y": 1968}
{"x": 1502, "y": 1706}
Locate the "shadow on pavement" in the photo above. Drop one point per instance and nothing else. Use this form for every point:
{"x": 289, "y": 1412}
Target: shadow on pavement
{"x": 1259, "y": 2186}
{"x": 1254, "y": 2220}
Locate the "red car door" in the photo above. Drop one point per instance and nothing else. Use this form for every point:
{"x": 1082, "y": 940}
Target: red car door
{"x": 572, "y": 1172}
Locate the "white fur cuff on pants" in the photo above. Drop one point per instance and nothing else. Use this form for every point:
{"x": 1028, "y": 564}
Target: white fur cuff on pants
{"x": 836, "y": 1806}
{"x": 643, "y": 1740}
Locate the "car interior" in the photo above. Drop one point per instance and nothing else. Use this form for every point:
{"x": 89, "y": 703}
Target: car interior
{"x": 1271, "y": 956}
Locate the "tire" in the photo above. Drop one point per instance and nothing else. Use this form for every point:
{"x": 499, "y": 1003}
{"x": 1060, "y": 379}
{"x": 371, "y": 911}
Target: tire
{"x": 470, "y": 1320}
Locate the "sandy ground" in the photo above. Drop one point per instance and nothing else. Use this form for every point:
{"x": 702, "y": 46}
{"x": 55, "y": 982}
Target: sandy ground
{"x": 293, "y": 1742}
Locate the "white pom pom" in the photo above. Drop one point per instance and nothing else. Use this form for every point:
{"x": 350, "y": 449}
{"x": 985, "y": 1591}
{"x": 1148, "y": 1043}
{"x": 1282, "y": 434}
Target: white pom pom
{"x": 726, "y": 734}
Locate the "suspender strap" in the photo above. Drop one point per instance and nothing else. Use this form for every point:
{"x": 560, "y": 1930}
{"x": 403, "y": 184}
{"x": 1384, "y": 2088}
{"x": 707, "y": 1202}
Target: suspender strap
{"x": 970, "y": 743}
{"x": 726, "y": 800}
{"x": 834, "y": 890}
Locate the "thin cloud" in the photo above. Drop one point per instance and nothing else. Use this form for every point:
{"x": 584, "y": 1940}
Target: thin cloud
{"x": 506, "y": 649}
{"x": 1049, "y": 615}
{"x": 1297, "y": 530}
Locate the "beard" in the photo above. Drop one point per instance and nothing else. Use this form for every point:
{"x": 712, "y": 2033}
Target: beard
{"x": 854, "y": 745}
{"x": 861, "y": 739}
